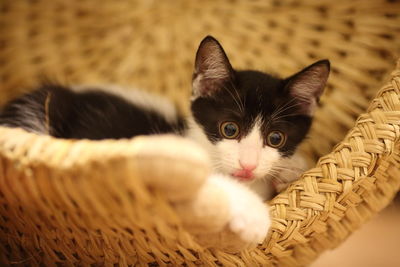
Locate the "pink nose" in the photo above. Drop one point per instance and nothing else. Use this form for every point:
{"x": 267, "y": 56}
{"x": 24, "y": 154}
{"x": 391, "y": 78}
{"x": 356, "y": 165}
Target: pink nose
{"x": 247, "y": 167}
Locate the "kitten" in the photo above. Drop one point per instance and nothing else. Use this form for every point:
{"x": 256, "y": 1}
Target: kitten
{"x": 250, "y": 122}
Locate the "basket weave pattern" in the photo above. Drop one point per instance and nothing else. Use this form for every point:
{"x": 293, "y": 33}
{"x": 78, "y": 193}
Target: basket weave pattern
{"x": 86, "y": 203}
{"x": 357, "y": 179}
{"x": 59, "y": 207}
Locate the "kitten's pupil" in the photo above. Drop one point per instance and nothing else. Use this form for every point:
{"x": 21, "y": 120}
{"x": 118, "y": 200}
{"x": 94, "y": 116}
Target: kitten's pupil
{"x": 229, "y": 130}
{"x": 275, "y": 139}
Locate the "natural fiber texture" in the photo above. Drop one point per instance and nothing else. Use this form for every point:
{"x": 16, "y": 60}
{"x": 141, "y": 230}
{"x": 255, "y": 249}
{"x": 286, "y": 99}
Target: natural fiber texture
{"x": 357, "y": 179}
{"x": 152, "y": 44}
{"x": 87, "y": 202}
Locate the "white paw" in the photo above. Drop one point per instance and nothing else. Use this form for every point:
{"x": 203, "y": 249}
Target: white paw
{"x": 249, "y": 217}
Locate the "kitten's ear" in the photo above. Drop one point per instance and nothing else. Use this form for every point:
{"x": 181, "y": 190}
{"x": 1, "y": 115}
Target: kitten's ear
{"x": 212, "y": 68}
{"x": 308, "y": 85}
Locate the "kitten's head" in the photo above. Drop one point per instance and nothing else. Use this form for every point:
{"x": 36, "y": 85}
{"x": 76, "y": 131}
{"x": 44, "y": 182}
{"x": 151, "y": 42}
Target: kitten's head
{"x": 252, "y": 120}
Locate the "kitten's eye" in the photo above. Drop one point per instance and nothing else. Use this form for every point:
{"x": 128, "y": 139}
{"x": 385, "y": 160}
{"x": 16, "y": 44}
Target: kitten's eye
{"x": 229, "y": 130}
{"x": 276, "y": 139}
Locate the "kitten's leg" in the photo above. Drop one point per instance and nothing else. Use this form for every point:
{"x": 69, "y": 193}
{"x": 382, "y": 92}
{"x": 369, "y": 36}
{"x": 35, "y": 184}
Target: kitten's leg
{"x": 172, "y": 164}
{"x": 219, "y": 211}
{"x": 226, "y": 214}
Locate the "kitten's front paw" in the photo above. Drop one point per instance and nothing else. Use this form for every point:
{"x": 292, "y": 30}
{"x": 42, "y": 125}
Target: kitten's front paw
{"x": 172, "y": 164}
{"x": 226, "y": 215}
{"x": 249, "y": 217}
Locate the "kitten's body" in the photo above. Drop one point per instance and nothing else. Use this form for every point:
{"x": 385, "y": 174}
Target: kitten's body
{"x": 254, "y": 104}
{"x": 92, "y": 112}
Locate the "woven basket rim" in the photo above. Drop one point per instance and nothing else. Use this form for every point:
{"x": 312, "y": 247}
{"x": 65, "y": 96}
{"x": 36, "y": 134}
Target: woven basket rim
{"x": 109, "y": 149}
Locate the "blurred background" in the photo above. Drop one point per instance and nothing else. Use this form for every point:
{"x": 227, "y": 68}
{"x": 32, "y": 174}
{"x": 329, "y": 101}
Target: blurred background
{"x": 375, "y": 244}
{"x": 152, "y": 44}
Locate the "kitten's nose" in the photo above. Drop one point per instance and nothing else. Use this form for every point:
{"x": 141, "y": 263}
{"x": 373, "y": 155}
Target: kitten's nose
{"x": 247, "y": 166}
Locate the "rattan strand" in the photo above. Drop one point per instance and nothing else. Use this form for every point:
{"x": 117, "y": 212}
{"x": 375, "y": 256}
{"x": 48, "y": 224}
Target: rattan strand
{"x": 68, "y": 202}
{"x": 61, "y": 201}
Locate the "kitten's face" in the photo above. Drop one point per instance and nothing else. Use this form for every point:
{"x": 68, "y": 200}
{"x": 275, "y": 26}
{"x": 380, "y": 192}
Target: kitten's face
{"x": 252, "y": 119}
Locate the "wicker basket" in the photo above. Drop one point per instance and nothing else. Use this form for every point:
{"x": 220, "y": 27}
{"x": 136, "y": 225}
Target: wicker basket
{"x": 81, "y": 202}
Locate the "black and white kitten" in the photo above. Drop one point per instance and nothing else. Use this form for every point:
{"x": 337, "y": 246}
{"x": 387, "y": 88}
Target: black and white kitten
{"x": 250, "y": 122}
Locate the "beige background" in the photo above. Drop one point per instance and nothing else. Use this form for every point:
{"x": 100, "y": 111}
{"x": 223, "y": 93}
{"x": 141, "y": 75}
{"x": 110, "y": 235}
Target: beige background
{"x": 376, "y": 243}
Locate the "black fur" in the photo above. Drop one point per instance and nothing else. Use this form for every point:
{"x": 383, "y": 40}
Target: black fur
{"x": 261, "y": 95}
{"x": 92, "y": 115}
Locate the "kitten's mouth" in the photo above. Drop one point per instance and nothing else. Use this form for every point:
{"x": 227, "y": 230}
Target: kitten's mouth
{"x": 244, "y": 175}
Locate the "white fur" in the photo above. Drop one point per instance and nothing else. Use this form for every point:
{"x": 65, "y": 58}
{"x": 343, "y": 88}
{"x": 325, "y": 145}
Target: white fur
{"x": 250, "y": 147}
{"x": 140, "y": 98}
{"x": 195, "y": 133}
{"x": 227, "y": 154}
{"x": 225, "y": 214}
{"x": 197, "y": 86}
{"x": 27, "y": 114}
{"x": 249, "y": 217}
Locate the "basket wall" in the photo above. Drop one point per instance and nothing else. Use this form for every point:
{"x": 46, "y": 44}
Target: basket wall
{"x": 47, "y": 213}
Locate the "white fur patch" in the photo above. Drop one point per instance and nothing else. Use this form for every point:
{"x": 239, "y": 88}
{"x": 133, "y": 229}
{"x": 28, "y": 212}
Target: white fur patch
{"x": 226, "y": 155}
{"x": 30, "y": 114}
{"x": 196, "y": 84}
{"x": 196, "y": 133}
{"x": 250, "y": 147}
{"x": 248, "y": 151}
{"x": 249, "y": 216}
{"x": 139, "y": 98}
